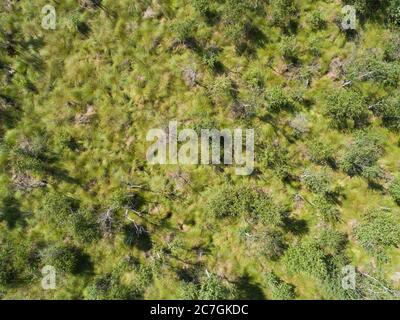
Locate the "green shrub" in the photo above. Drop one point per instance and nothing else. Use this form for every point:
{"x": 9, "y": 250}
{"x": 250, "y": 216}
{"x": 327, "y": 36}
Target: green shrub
{"x": 316, "y": 181}
{"x": 278, "y": 100}
{"x": 109, "y": 287}
{"x": 236, "y": 19}
{"x": 121, "y": 199}
{"x": 372, "y": 174}
{"x": 276, "y": 158}
{"x": 187, "y": 291}
{"x": 255, "y": 78}
{"x": 210, "y": 287}
{"x": 202, "y": 6}
{"x": 392, "y": 48}
{"x": 320, "y": 152}
{"x": 62, "y": 257}
{"x": 83, "y": 227}
{"x": 280, "y": 290}
{"x": 185, "y": 29}
{"x": 371, "y": 67}
{"x": 346, "y": 109}
{"x": 23, "y": 162}
{"x": 394, "y": 190}
{"x": 361, "y": 156}
{"x": 58, "y": 207}
{"x": 272, "y": 244}
{"x": 326, "y": 209}
{"x": 19, "y": 259}
{"x": 7, "y": 270}
{"x": 220, "y": 89}
{"x": 264, "y": 240}
{"x": 63, "y": 139}
{"x": 210, "y": 57}
{"x": 314, "y": 45}
{"x": 394, "y": 12}
{"x": 389, "y": 112}
{"x": 306, "y": 258}
{"x": 331, "y": 241}
{"x": 226, "y": 202}
{"x": 64, "y": 213}
{"x": 283, "y": 13}
{"x": 144, "y": 275}
{"x": 263, "y": 208}
{"x": 317, "y": 20}
{"x": 244, "y": 201}
{"x": 214, "y": 288}
{"x": 289, "y": 49}
{"x": 378, "y": 231}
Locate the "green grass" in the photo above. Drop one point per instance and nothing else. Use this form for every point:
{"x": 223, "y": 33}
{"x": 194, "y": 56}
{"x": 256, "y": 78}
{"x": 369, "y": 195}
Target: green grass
{"x": 129, "y": 71}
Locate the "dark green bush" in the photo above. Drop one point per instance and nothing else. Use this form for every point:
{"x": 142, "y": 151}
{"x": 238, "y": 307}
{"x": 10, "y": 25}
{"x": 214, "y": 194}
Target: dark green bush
{"x": 389, "y": 112}
{"x": 244, "y": 201}
{"x": 62, "y": 257}
{"x": 284, "y": 13}
{"x": 306, "y": 258}
{"x": 378, "y": 231}
{"x": 361, "y": 156}
{"x": 58, "y": 207}
{"x": 64, "y": 213}
{"x": 317, "y": 20}
{"x": 7, "y": 270}
{"x": 394, "y": 190}
{"x": 346, "y": 109}
{"x": 19, "y": 260}
{"x": 394, "y": 12}
{"x": 202, "y": 6}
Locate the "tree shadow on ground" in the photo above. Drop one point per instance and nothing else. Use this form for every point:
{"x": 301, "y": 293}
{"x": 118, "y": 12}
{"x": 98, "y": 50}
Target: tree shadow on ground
{"x": 248, "y": 290}
{"x": 11, "y": 213}
{"x": 85, "y": 265}
{"x": 296, "y": 226}
{"x": 137, "y": 236}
